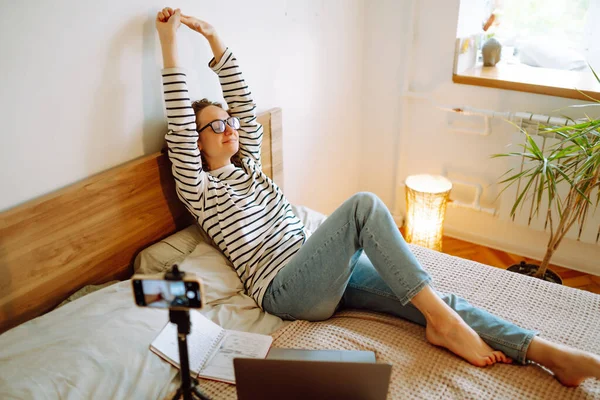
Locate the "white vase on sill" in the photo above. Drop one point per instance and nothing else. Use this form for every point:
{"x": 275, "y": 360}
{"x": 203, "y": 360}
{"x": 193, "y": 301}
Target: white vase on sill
{"x": 491, "y": 52}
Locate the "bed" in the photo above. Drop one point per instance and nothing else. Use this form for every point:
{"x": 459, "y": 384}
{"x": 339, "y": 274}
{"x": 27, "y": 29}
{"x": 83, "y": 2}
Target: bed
{"x": 78, "y": 247}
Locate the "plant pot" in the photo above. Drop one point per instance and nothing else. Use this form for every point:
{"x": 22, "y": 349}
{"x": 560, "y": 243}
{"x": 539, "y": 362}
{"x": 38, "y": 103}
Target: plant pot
{"x": 530, "y": 270}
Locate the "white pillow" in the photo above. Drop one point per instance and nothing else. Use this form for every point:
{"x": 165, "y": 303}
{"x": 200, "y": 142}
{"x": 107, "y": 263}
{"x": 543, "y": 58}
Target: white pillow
{"x": 173, "y": 249}
{"x": 310, "y": 218}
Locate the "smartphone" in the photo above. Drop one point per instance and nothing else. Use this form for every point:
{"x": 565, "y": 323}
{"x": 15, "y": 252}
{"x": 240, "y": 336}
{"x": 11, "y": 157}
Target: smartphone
{"x": 156, "y": 292}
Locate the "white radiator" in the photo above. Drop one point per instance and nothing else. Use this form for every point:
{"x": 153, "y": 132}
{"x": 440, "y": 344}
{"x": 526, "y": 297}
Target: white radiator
{"x": 589, "y": 232}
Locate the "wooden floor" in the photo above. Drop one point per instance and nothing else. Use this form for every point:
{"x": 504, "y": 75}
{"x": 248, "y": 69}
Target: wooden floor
{"x": 501, "y": 259}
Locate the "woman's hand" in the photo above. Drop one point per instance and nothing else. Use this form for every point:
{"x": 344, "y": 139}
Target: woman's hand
{"x": 167, "y": 22}
{"x": 209, "y": 32}
{"x": 202, "y": 27}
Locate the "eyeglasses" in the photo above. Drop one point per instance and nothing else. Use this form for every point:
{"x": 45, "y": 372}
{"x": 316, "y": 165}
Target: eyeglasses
{"x": 218, "y": 125}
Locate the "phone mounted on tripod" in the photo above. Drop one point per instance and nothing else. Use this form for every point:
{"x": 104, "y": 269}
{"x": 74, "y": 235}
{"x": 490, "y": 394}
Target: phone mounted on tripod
{"x": 177, "y": 291}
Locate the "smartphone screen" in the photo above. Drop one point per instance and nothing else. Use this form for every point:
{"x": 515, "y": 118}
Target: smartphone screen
{"x": 158, "y": 293}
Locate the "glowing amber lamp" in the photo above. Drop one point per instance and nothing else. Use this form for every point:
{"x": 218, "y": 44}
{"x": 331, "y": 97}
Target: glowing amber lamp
{"x": 426, "y": 199}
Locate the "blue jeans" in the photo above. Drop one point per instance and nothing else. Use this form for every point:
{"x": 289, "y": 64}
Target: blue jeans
{"x": 331, "y": 271}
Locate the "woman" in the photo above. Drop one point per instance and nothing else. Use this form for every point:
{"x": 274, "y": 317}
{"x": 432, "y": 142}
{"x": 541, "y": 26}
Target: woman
{"x": 295, "y": 275}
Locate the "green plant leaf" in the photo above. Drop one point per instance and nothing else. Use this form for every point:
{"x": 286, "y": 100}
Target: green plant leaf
{"x": 510, "y": 182}
{"x": 565, "y": 152}
{"x": 569, "y": 128}
{"x": 523, "y": 193}
{"x": 594, "y": 72}
{"x": 552, "y": 190}
{"x": 506, "y": 173}
{"x": 516, "y": 176}
{"x": 540, "y": 188}
{"x": 534, "y": 147}
{"x": 573, "y": 186}
{"x": 514, "y": 154}
{"x": 588, "y": 168}
{"x": 587, "y": 95}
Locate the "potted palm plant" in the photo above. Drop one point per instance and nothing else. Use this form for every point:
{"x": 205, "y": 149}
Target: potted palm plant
{"x": 574, "y": 162}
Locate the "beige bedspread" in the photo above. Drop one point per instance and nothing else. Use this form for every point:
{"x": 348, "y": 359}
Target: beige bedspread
{"x": 421, "y": 371}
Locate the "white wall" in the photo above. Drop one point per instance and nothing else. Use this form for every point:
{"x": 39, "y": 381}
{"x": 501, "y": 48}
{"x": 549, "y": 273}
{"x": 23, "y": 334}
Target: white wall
{"x": 411, "y": 135}
{"x": 386, "y": 25}
{"x": 81, "y": 87}
{"x": 81, "y": 93}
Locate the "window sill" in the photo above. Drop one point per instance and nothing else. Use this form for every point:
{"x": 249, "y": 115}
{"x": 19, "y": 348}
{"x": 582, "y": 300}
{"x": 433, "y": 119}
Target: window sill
{"x": 524, "y": 78}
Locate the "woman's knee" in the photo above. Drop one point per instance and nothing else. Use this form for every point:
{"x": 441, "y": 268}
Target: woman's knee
{"x": 366, "y": 198}
{"x": 366, "y": 201}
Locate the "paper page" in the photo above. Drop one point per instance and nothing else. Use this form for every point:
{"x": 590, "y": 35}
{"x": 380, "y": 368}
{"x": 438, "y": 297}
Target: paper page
{"x": 236, "y": 345}
{"x": 204, "y": 336}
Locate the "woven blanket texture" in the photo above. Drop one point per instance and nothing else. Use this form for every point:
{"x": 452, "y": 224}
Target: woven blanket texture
{"x": 422, "y": 371}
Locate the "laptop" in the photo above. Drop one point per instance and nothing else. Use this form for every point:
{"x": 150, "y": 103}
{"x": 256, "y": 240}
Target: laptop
{"x": 312, "y": 374}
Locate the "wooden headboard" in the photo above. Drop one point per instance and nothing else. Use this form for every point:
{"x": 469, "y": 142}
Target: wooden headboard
{"x": 91, "y": 231}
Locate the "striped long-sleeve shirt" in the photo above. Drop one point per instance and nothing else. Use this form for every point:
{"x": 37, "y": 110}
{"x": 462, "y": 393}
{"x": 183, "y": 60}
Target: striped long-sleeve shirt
{"x": 241, "y": 209}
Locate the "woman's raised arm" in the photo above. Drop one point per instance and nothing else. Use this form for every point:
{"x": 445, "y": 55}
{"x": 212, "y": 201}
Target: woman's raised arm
{"x": 182, "y": 138}
{"x": 235, "y": 89}
{"x": 208, "y": 31}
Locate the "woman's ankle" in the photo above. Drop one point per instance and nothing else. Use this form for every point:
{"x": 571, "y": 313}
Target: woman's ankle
{"x": 432, "y": 306}
{"x": 542, "y": 352}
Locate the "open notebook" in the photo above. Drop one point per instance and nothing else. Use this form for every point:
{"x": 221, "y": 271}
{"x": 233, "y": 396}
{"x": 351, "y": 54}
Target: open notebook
{"x": 211, "y": 349}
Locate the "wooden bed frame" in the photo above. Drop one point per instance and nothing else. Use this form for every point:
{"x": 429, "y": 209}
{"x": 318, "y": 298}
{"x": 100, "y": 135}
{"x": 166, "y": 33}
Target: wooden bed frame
{"x": 91, "y": 231}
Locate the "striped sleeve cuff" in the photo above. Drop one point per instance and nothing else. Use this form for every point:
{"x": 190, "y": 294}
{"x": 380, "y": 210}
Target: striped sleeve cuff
{"x": 173, "y": 70}
{"x": 225, "y": 59}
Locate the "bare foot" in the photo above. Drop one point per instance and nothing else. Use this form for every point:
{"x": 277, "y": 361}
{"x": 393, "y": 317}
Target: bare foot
{"x": 458, "y": 337}
{"x": 570, "y": 366}
{"x": 446, "y": 328}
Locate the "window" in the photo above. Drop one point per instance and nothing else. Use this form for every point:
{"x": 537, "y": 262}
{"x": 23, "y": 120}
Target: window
{"x": 546, "y": 45}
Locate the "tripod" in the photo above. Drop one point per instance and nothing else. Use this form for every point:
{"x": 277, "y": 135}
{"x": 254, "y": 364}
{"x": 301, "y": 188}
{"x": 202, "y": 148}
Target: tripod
{"x": 182, "y": 319}
{"x": 187, "y": 389}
